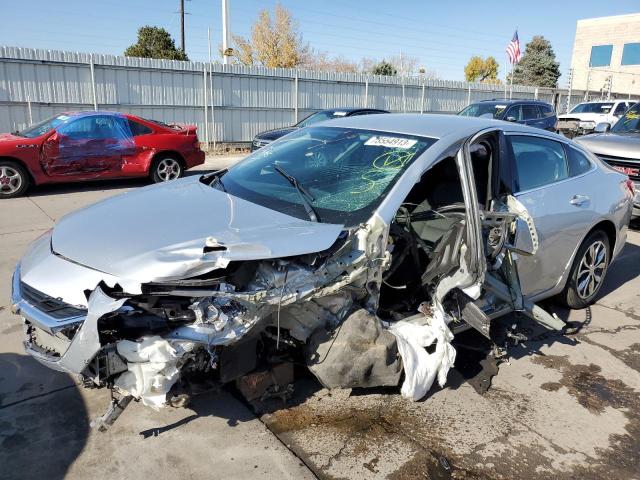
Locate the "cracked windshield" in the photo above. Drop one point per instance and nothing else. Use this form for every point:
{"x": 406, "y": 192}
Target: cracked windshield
{"x": 342, "y": 173}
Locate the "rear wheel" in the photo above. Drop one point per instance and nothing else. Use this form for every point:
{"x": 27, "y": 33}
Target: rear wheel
{"x": 14, "y": 179}
{"x": 588, "y": 271}
{"x": 166, "y": 168}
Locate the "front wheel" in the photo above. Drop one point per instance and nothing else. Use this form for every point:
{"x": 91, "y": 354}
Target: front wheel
{"x": 165, "y": 169}
{"x": 14, "y": 179}
{"x": 588, "y": 271}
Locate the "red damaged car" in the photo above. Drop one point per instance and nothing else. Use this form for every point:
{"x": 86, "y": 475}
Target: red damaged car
{"x": 78, "y": 146}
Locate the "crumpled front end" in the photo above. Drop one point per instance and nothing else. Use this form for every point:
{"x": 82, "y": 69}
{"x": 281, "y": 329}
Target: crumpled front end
{"x": 359, "y": 313}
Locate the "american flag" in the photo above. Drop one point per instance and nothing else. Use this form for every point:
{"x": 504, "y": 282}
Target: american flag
{"x": 513, "y": 49}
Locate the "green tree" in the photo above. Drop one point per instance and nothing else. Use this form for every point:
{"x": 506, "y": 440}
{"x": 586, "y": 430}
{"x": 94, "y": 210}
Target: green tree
{"x": 384, "y": 68}
{"x": 480, "y": 69}
{"x": 538, "y": 66}
{"x": 155, "y": 42}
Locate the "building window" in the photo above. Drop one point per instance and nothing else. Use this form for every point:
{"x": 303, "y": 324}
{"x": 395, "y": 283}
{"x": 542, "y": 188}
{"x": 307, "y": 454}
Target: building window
{"x": 600, "y": 56}
{"x": 631, "y": 54}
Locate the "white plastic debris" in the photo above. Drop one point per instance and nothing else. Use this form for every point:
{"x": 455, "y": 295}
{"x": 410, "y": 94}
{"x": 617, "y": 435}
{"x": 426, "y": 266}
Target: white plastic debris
{"x": 151, "y": 370}
{"x": 421, "y": 367}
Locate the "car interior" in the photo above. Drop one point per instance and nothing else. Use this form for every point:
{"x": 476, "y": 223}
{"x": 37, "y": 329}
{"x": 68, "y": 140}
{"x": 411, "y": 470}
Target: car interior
{"x": 428, "y": 231}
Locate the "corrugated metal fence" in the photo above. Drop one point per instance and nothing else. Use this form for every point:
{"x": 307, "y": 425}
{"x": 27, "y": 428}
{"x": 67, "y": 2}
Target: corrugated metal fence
{"x": 237, "y": 101}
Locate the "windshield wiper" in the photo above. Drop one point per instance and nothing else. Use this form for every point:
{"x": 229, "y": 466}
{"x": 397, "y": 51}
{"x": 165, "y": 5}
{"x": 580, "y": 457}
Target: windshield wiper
{"x": 306, "y": 197}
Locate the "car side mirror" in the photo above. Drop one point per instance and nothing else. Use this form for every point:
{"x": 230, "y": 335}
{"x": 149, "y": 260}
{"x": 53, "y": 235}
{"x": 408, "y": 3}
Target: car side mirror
{"x": 602, "y": 127}
{"x": 511, "y": 119}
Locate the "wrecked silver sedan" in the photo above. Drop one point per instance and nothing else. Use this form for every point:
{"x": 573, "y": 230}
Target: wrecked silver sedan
{"x": 350, "y": 246}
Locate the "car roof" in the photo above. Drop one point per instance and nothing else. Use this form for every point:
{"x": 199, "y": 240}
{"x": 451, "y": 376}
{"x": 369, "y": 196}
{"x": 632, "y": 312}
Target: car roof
{"x": 352, "y": 110}
{"x": 80, "y": 113}
{"x": 613, "y": 100}
{"x": 514, "y": 101}
{"x": 432, "y": 125}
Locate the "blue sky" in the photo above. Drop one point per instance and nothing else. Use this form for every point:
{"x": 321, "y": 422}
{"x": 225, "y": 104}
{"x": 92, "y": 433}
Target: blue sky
{"x": 442, "y": 35}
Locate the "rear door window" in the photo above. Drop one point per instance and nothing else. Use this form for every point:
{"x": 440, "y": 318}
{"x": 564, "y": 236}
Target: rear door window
{"x": 530, "y": 112}
{"x": 538, "y": 161}
{"x": 547, "y": 111}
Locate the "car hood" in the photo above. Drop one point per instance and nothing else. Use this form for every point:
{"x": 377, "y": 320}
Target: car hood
{"x": 275, "y": 134}
{"x": 585, "y": 117}
{"x": 180, "y": 229}
{"x": 612, "y": 144}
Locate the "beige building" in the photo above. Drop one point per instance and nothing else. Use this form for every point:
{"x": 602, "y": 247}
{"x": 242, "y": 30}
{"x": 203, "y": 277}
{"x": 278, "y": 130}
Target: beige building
{"x": 606, "y": 55}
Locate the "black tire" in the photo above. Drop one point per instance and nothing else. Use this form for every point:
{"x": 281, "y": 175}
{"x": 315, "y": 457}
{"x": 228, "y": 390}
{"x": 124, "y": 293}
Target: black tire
{"x": 582, "y": 286}
{"x": 14, "y": 179}
{"x": 165, "y": 168}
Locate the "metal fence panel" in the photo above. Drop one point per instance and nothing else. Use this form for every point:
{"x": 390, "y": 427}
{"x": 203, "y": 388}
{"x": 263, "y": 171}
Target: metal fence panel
{"x": 246, "y": 100}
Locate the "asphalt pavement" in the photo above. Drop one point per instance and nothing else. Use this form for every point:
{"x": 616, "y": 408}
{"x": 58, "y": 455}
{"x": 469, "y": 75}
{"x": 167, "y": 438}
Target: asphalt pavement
{"x": 566, "y": 406}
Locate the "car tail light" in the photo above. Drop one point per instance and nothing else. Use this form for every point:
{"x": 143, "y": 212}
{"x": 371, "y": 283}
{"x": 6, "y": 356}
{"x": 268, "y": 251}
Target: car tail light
{"x": 630, "y": 186}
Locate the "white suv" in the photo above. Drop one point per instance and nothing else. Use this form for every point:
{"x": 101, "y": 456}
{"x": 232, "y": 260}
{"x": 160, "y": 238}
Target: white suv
{"x": 584, "y": 117}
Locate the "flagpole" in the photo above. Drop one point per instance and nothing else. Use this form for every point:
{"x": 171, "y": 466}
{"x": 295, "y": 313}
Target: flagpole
{"x": 505, "y": 79}
{"x": 511, "y": 84}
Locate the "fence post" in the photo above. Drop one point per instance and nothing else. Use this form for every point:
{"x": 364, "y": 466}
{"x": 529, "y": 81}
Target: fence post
{"x": 535, "y": 94}
{"x": 469, "y": 95}
{"x": 295, "y": 98}
{"x": 204, "y": 104}
{"x": 422, "y": 99}
{"x": 213, "y": 115}
{"x": 404, "y": 101}
{"x": 29, "y": 109}
{"x": 93, "y": 83}
{"x": 366, "y": 92}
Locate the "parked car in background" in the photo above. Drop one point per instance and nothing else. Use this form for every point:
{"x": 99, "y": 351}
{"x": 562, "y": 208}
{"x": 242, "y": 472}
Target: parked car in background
{"x": 619, "y": 146}
{"x": 372, "y": 230}
{"x": 80, "y": 146}
{"x": 533, "y": 113}
{"x": 265, "y": 138}
{"x": 583, "y": 118}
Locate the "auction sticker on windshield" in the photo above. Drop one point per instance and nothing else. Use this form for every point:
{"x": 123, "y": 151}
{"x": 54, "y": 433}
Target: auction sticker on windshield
{"x": 390, "y": 142}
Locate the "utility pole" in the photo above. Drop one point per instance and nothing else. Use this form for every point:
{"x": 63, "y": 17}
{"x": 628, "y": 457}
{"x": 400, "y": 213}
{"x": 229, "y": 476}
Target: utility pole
{"x": 586, "y": 91}
{"x": 182, "y": 26}
{"x": 226, "y": 51}
{"x": 569, "y": 92}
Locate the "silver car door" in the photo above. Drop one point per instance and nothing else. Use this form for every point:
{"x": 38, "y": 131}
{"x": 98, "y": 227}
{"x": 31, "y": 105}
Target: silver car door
{"x": 560, "y": 205}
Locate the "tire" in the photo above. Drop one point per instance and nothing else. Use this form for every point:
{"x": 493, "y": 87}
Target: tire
{"x": 14, "y": 179}
{"x": 166, "y": 168}
{"x": 583, "y": 284}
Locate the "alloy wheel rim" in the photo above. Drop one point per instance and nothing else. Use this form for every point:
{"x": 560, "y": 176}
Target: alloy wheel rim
{"x": 591, "y": 270}
{"x": 10, "y": 180}
{"x": 168, "y": 169}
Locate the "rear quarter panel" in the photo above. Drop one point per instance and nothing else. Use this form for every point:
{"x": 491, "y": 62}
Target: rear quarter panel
{"x": 609, "y": 202}
{"x": 155, "y": 143}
